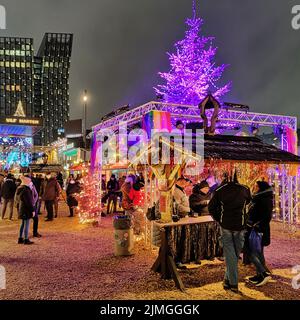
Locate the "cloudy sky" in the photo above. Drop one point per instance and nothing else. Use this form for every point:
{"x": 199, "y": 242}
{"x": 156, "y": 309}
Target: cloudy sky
{"x": 120, "y": 45}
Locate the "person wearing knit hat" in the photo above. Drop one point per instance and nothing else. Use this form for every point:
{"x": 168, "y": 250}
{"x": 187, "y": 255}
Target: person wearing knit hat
{"x": 24, "y": 204}
{"x": 200, "y": 198}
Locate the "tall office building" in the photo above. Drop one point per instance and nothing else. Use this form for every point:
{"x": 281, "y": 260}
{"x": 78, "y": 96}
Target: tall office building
{"x": 40, "y": 82}
{"x": 16, "y": 72}
{"x": 52, "y": 65}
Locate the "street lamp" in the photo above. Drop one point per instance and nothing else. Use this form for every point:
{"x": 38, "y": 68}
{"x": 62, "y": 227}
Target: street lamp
{"x": 85, "y": 98}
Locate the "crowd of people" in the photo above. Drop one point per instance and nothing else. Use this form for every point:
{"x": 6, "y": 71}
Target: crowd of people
{"x": 127, "y": 194}
{"x": 239, "y": 214}
{"x": 27, "y": 192}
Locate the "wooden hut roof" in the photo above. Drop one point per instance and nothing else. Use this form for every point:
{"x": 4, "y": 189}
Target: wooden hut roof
{"x": 245, "y": 149}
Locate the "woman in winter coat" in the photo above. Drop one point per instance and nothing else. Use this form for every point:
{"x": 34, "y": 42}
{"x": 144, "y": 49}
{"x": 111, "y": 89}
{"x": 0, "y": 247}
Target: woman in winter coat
{"x": 260, "y": 215}
{"x": 73, "y": 188}
{"x": 24, "y": 203}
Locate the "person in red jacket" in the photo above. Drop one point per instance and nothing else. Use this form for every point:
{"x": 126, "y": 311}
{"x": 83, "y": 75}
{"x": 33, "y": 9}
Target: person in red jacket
{"x": 136, "y": 194}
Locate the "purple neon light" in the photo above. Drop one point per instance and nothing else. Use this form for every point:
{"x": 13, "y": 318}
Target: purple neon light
{"x": 193, "y": 71}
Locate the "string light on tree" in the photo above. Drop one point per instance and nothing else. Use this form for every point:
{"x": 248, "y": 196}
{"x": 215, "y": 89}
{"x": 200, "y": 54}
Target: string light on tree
{"x": 193, "y": 72}
{"x": 89, "y": 200}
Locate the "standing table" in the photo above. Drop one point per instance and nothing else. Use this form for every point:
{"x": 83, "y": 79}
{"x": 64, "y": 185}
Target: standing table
{"x": 189, "y": 239}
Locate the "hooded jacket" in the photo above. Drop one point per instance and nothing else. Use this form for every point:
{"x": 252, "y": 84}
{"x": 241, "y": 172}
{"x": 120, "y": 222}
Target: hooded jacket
{"x": 8, "y": 189}
{"x": 260, "y": 214}
{"x": 229, "y": 204}
{"x": 24, "y": 202}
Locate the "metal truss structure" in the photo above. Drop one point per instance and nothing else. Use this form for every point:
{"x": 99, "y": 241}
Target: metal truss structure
{"x": 290, "y": 200}
{"x": 289, "y": 194}
{"x": 192, "y": 113}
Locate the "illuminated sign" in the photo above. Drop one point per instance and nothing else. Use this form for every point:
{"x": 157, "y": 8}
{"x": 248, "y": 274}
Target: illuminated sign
{"x": 21, "y": 121}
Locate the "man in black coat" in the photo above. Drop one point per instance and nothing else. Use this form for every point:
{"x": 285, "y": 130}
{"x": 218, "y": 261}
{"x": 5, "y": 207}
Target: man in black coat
{"x": 228, "y": 206}
{"x": 260, "y": 215}
{"x": 8, "y": 191}
{"x": 113, "y": 189}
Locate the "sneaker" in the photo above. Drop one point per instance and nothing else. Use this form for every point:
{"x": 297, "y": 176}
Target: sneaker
{"x": 27, "y": 241}
{"x": 254, "y": 279}
{"x": 264, "y": 278}
{"x": 226, "y": 284}
{"x": 48, "y": 220}
{"x": 20, "y": 241}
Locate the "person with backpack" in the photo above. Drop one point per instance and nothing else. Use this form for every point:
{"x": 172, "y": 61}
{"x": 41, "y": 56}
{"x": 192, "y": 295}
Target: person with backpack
{"x": 26, "y": 210}
{"x": 8, "y": 191}
{"x": 260, "y": 215}
{"x": 228, "y": 206}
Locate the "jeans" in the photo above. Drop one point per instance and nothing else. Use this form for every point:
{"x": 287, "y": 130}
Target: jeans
{"x": 112, "y": 203}
{"x": 38, "y": 206}
{"x": 49, "y": 207}
{"x": 233, "y": 242}
{"x": 24, "y": 228}
{"x": 257, "y": 258}
{"x": 10, "y": 203}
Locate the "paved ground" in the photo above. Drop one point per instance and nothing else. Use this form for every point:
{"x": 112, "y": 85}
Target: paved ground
{"x": 74, "y": 261}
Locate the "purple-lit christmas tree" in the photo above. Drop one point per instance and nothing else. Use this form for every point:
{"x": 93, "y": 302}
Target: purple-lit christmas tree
{"x": 193, "y": 71}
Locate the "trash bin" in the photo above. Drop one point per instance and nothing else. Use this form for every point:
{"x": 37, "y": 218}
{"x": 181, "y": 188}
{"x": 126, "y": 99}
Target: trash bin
{"x": 123, "y": 234}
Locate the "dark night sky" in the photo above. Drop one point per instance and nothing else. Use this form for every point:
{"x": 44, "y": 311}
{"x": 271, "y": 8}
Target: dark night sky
{"x": 119, "y": 46}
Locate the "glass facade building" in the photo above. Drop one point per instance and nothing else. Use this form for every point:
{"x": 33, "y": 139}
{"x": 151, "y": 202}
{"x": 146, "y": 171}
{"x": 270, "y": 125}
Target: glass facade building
{"x": 52, "y": 95}
{"x": 40, "y": 82}
{"x": 16, "y": 72}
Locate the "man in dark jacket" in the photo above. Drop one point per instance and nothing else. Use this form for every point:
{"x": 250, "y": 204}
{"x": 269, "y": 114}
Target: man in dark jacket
{"x": 200, "y": 198}
{"x": 113, "y": 190}
{"x": 50, "y": 192}
{"x": 228, "y": 206}
{"x": 8, "y": 193}
{"x": 73, "y": 188}
{"x": 260, "y": 215}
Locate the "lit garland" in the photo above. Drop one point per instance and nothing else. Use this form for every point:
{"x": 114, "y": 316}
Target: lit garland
{"x": 15, "y": 151}
{"x": 193, "y": 72}
{"x": 89, "y": 200}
